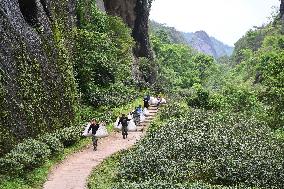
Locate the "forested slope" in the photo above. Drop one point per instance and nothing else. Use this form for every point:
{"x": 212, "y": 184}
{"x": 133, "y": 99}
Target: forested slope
{"x": 223, "y": 126}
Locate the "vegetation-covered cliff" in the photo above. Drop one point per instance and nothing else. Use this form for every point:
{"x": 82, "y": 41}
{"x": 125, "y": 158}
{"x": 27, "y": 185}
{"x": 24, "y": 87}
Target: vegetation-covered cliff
{"x": 38, "y": 89}
{"x": 54, "y": 54}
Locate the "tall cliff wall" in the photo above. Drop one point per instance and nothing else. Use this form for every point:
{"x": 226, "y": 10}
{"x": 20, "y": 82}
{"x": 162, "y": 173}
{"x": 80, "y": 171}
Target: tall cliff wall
{"x": 282, "y": 9}
{"x": 38, "y": 92}
{"x": 37, "y": 87}
{"x": 135, "y": 13}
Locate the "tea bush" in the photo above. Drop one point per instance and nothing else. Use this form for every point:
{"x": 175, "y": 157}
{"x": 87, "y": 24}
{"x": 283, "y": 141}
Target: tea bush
{"x": 69, "y": 135}
{"x": 25, "y": 156}
{"x": 224, "y": 148}
{"x": 53, "y": 143}
{"x": 173, "y": 110}
{"x": 163, "y": 184}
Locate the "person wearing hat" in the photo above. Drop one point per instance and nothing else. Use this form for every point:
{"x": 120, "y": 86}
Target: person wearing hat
{"x": 123, "y": 120}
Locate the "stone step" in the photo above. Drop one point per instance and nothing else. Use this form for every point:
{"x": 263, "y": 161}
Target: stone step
{"x": 153, "y": 108}
{"x": 140, "y": 128}
{"x": 146, "y": 121}
{"x": 153, "y": 111}
{"x": 150, "y": 117}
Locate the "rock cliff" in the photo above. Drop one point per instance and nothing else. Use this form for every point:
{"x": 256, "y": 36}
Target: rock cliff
{"x": 135, "y": 13}
{"x": 37, "y": 87}
{"x": 282, "y": 9}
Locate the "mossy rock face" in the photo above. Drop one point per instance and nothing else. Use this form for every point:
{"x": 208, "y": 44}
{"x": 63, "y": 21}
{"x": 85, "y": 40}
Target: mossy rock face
{"x": 37, "y": 86}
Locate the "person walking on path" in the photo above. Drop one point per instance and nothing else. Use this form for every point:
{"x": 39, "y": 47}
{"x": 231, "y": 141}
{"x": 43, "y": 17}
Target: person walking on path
{"x": 146, "y": 101}
{"x": 94, "y": 126}
{"x": 123, "y": 120}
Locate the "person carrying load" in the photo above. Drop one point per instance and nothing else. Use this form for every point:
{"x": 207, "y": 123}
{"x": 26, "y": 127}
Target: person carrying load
{"x": 146, "y": 101}
{"x": 123, "y": 120}
{"x": 136, "y": 115}
{"x": 94, "y": 127}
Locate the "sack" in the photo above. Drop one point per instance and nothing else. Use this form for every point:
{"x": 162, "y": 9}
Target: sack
{"x": 146, "y": 112}
{"x": 130, "y": 116}
{"x": 119, "y": 127}
{"x": 101, "y": 132}
{"x": 131, "y": 127}
{"x": 163, "y": 101}
{"x": 86, "y": 133}
{"x": 142, "y": 117}
{"x": 153, "y": 101}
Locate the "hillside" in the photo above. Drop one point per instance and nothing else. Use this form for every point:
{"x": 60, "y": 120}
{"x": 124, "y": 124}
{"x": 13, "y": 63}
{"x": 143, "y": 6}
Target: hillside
{"x": 173, "y": 35}
{"x": 52, "y": 51}
{"x": 202, "y": 42}
{"x": 65, "y": 63}
{"x": 199, "y": 40}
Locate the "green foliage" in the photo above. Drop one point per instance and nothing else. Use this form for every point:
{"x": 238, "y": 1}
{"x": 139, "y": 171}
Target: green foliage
{"x": 216, "y": 148}
{"x": 69, "y": 135}
{"x": 104, "y": 57}
{"x": 149, "y": 70}
{"x": 103, "y": 176}
{"x": 173, "y": 110}
{"x": 163, "y": 184}
{"x": 270, "y": 66}
{"x": 25, "y": 156}
{"x": 166, "y": 34}
{"x": 116, "y": 94}
{"x": 180, "y": 66}
{"x": 53, "y": 143}
{"x": 199, "y": 97}
{"x": 263, "y": 70}
{"x": 35, "y": 179}
{"x": 37, "y": 85}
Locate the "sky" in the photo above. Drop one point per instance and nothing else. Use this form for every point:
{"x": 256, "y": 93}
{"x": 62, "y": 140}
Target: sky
{"x": 226, "y": 20}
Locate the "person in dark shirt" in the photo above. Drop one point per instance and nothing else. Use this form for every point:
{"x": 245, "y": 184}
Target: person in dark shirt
{"x": 136, "y": 115}
{"x": 123, "y": 120}
{"x": 94, "y": 127}
{"x": 146, "y": 101}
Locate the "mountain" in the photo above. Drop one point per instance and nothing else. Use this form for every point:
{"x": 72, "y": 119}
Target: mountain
{"x": 174, "y": 35}
{"x": 202, "y": 42}
{"x": 199, "y": 40}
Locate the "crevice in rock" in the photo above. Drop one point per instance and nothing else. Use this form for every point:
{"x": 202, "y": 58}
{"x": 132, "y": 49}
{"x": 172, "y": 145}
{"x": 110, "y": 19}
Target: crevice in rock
{"x": 46, "y": 7}
{"x": 29, "y": 11}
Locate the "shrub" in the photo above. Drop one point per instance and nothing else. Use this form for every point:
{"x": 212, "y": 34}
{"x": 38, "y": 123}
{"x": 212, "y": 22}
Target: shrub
{"x": 53, "y": 143}
{"x": 173, "y": 110}
{"x": 225, "y": 149}
{"x": 69, "y": 135}
{"x": 163, "y": 184}
{"x": 13, "y": 165}
{"x": 25, "y": 156}
{"x": 199, "y": 97}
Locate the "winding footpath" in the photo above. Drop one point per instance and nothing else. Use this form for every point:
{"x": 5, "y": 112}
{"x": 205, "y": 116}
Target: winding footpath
{"x": 73, "y": 172}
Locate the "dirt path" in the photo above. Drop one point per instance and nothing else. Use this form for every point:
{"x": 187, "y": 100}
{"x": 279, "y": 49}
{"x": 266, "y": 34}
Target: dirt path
{"x": 73, "y": 172}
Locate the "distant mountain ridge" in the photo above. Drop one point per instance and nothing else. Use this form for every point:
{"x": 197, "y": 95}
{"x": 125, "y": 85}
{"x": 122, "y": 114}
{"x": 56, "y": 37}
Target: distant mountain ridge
{"x": 199, "y": 40}
{"x": 202, "y": 42}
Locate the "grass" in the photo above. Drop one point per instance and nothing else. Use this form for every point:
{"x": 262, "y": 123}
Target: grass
{"x": 104, "y": 176}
